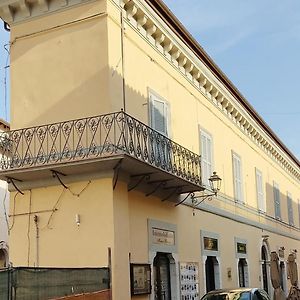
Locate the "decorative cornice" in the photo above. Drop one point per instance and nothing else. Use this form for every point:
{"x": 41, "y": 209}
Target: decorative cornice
{"x": 15, "y": 11}
{"x": 148, "y": 24}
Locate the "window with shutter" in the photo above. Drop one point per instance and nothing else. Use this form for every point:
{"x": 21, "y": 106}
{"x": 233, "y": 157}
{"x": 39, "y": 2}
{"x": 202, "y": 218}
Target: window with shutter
{"x": 276, "y": 193}
{"x": 290, "y": 209}
{"x": 206, "y": 156}
{"x": 261, "y": 204}
{"x": 299, "y": 211}
{"x": 237, "y": 177}
{"x": 159, "y": 112}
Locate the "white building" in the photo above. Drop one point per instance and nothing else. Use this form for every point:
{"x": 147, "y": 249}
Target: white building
{"x": 4, "y": 202}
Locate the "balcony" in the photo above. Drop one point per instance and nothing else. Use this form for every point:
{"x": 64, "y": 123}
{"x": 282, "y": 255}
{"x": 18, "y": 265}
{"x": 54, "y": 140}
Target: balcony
{"x": 113, "y": 141}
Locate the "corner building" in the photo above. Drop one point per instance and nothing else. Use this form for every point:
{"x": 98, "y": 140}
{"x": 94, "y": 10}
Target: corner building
{"x": 118, "y": 119}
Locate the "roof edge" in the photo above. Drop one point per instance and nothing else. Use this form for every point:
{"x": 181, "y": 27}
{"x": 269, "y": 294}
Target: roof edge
{"x": 178, "y": 28}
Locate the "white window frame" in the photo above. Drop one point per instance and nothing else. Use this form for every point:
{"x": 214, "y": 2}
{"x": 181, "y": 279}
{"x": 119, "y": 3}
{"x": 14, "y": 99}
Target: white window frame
{"x": 237, "y": 182}
{"x": 260, "y": 195}
{"x": 153, "y": 96}
{"x": 277, "y": 214}
{"x": 290, "y": 210}
{"x": 299, "y": 212}
{"x": 206, "y": 165}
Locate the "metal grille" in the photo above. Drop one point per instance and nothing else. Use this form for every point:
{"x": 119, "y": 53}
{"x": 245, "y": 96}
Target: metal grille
{"x": 96, "y": 137}
{"x": 47, "y": 283}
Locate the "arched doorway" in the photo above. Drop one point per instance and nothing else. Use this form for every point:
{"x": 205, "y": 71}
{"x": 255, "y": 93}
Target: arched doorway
{"x": 162, "y": 278}
{"x": 3, "y": 258}
{"x": 243, "y": 273}
{"x": 212, "y": 273}
{"x": 283, "y": 276}
{"x": 264, "y": 259}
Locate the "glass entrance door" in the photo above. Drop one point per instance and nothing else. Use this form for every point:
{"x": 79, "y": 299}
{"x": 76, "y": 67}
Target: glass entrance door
{"x": 264, "y": 268}
{"x": 161, "y": 272}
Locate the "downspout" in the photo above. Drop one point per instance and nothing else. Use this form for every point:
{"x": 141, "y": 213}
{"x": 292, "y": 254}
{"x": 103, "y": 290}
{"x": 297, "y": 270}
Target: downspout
{"x": 37, "y": 236}
{"x": 122, "y": 57}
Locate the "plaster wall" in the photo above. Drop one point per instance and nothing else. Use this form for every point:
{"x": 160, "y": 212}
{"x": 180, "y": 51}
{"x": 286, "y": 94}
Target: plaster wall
{"x": 146, "y": 69}
{"x": 61, "y": 241}
{"x": 59, "y": 65}
{"x": 4, "y": 205}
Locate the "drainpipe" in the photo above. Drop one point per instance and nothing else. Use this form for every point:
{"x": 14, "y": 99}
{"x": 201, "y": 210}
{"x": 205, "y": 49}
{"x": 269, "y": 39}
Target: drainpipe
{"x": 122, "y": 56}
{"x": 37, "y": 236}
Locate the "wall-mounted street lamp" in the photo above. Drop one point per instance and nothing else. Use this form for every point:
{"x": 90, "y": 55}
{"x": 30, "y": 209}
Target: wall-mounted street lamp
{"x": 215, "y": 186}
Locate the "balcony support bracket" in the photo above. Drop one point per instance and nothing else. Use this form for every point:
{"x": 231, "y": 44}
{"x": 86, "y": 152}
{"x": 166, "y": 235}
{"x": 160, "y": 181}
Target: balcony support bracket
{"x": 188, "y": 195}
{"x": 143, "y": 177}
{"x": 176, "y": 190}
{"x": 12, "y": 181}
{"x": 161, "y": 183}
{"x": 56, "y": 174}
{"x": 117, "y": 168}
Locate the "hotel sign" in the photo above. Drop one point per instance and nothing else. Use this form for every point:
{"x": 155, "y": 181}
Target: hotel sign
{"x": 210, "y": 243}
{"x": 241, "y": 248}
{"x": 163, "y": 237}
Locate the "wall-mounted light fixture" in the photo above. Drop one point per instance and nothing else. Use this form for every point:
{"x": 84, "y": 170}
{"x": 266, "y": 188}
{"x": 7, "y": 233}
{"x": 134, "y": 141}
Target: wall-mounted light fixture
{"x": 77, "y": 219}
{"x": 215, "y": 186}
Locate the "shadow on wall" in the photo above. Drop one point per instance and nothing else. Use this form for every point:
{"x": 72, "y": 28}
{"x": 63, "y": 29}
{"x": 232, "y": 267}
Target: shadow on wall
{"x": 281, "y": 206}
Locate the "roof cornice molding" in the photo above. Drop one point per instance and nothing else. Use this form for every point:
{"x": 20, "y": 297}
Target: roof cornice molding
{"x": 16, "y": 11}
{"x": 149, "y": 24}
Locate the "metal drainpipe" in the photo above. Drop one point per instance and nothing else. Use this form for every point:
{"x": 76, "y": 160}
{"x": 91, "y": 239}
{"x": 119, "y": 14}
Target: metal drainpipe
{"x": 36, "y": 220}
{"x": 122, "y": 57}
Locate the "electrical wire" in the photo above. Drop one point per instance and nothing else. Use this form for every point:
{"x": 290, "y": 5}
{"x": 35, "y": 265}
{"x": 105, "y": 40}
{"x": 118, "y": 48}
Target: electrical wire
{"x": 54, "y": 209}
{"x": 4, "y": 209}
{"x": 7, "y": 49}
{"x": 28, "y": 228}
{"x": 79, "y": 194}
{"x": 13, "y": 215}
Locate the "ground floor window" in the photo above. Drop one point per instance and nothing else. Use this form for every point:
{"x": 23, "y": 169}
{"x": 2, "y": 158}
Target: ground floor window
{"x": 3, "y": 258}
{"x": 212, "y": 273}
{"x": 264, "y": 268}
{"x": 162, "y": 280}
{"x": 243, "y": 273}
{"x": 283, "y": 276}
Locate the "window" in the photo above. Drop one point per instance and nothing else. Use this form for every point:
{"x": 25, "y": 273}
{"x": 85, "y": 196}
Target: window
{"x": 237, "y": 177}
{"x": 206, "y": 156}
{"x": 159, "y": 114}
{"x": 276, "y": 200}
{"x": 290, "y": 209}
{"x": 261, "y": 204}
{"x": 299, "y": 211}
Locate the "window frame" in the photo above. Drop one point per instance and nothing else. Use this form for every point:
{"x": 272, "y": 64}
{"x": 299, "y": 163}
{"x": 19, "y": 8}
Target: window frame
{"x": 261, "y": 203}
{"x": 204, "y": 133}
{"x": 276, "y": 187}
{"x": 236, "y": 156}
{"x": 152, "y": 94}
{"x": 290, "y": 210}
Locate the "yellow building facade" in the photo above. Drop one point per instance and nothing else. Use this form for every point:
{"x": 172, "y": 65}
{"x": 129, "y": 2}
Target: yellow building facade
{"x": 118, "y": 119}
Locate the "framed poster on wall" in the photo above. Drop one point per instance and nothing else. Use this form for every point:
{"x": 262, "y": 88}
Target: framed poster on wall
{"x": 189, "y": 280}
{"x": 140, "y": 279}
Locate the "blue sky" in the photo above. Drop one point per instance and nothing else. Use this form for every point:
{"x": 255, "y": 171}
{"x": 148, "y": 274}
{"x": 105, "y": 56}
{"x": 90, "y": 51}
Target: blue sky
{"x": 256, "y": 43}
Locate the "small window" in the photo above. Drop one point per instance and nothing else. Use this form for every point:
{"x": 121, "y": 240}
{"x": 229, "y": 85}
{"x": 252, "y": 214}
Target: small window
{"x": 237, "y": 177}
{"x": 290, "y": 209}
{"x": 261, "y": 204}
{"x": 299, "y": 211}
{"x": 159, "y": 114}
{"x": 206, "y": 156}
{"x": 277, "y": 207}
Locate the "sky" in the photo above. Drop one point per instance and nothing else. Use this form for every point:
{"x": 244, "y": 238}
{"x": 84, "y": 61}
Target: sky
{"x": 256, "y": 44}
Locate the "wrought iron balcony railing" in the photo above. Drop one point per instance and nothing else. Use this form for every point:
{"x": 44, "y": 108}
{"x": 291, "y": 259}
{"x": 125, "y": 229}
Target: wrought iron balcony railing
{"x": 96, "y": 137}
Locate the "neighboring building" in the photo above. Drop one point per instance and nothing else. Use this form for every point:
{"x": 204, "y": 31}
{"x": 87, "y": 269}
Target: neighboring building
{"x": 111, "y": 182}
{"x": 4, "y": 204}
